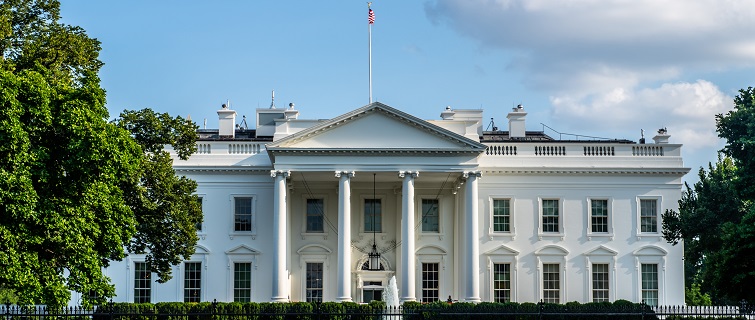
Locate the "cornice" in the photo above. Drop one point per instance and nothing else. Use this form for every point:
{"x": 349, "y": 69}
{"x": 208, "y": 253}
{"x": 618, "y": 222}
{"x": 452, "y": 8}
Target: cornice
{"x": 589, "y": 171}
{"x": 356, "y": 151}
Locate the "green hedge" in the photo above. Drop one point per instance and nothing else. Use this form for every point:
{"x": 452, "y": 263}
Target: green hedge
{"x": 620, "y": 309}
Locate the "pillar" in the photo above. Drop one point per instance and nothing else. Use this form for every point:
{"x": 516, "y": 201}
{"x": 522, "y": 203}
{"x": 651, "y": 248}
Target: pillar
{"x": 472, "y": 249}
{"x": 280, "y": 275}
{"x": 407, "y": 236}
{"x": 344, "y": 235}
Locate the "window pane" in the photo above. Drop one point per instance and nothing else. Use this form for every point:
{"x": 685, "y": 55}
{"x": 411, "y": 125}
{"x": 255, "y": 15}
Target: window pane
{"x": 192, "y": 281}
{"x": 551, "y": 283}
{"x": 599, "y": 282}
{"x": 430, "y": 282}
{"x": 501, "y": 282}
{"x": 373, "y": 215}
{"x": 648, "y": 215}
{"x": 142, "y": 283}
{"x": 501, "y": 215}
{"x": 550, "y": 216}
{"x": 430, "y": 215}
{"x": 315, "y": 215}
{"x": 198, "y": 225}
{"x": 650, "y": 284}
{"x": 599, "y": 215}
{"x": 243, "y": 214}
{"x": 314, "y": 282}
{"x": 242, "y": 282}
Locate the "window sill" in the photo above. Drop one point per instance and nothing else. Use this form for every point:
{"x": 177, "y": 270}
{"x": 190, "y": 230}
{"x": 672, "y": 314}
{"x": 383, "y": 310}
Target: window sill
{"x": 542, "y": 236}
{"x": 432, "y": 234}
{"x": 648, "y": 235}
{"x": 305, "y": 235}
{"x": 364, "y": 235}
{"x": 600, "y": 236}
{"x": 243, "y": 234}
{"x": 201, "y": 235}
{"x": 493, "y": 235}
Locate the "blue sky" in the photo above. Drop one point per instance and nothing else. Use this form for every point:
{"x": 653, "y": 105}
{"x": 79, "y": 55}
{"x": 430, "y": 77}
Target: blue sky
{"x": 602, "y": 68}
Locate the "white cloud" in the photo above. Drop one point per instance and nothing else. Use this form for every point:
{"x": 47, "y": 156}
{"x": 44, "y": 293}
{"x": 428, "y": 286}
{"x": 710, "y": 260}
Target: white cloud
{"x": 687, "y": 109}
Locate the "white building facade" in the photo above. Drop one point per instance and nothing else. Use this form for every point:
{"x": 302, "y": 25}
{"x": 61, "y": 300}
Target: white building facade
{"x": 293, "y": 207}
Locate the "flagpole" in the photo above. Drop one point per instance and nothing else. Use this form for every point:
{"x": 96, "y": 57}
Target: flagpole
{"x": 371, "y": 18}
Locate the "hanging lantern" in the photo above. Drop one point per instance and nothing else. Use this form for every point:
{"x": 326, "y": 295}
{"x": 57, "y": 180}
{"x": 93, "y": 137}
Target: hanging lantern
{"x": 374, "y": 258}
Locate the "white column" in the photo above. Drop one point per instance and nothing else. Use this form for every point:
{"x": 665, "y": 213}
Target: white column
{"x": 280, "y": 275}
{"x": 472, "y": 250}
{"x": 344, "y": 235}
{"x": 407, "y": 236}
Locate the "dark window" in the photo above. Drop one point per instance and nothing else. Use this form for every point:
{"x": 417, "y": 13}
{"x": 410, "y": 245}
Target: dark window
{"x": 242, "y": 282}
{"x": 315, "y": 215}
{"x": 430, "y": 218}
{"x": 192, "y": 281}
{"x": 142, "y": 283}
{"x": 430, "y": 282}
{"x": 243, "y": 214}
{"x": 550, "y": 216}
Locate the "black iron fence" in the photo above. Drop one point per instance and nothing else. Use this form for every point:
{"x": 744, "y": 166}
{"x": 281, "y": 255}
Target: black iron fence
{"x": 317, "y": 311}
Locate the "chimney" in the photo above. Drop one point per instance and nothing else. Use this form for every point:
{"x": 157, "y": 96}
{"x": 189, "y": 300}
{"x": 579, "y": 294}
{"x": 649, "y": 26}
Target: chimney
{"x": 447, "y": 114}
{"x": 227, "y": 122}
{"x": 516, "y": 122}
{"x": 662, "y": 136}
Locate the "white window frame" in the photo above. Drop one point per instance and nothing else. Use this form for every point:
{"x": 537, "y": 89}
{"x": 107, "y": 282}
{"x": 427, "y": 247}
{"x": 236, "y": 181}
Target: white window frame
{"x": 651, "y": 254}
{"x": 552, "y": 254}
{"x": 542, "y": 234}
{"x": 233, "y": 233}
{"x": 603, "y": 255}
{"x": 241, "y": 254}
{"x": 609, "y": 207}
{"x": 658, "y": 220}
{"x": 131, "y": 270}
{"x": 419, "y": 213}
{"x": 200, "y": 255}
{"x": 202, "y": 234}
{"x": 364, "y": 233}
{"x": 314, "y": 253}
{"x": 325, "y": 228}
{"x": 431, "y": 254}
{"x": 502, "y": 254}
{"x": 512, "y": 225}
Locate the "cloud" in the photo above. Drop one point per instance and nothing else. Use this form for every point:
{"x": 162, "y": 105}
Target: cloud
{"x": 687, "y": 109}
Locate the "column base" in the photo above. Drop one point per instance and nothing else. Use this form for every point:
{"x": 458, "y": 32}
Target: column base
{"x": 473, "y": 300}
{"x": 406, "y": 299}
{"x": 279, "y": 299}
{"x": 343, "y": 299}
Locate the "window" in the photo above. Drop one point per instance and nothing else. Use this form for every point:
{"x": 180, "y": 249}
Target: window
{"x": 501, "y": 282}
{"x": 550, "y": 215}
{"x": 599, "y": 216}
{"x": 650, "y": 284}
{"x": 242, "y": 214}
{"x": 372, "y": 291}
{"x": 600, "y": 282}
{"x": 501, "y": 215}
{"x": 198, "y": 225}
{"x": 430, "y": 282}
{"x": 142, "y": 283}
{"x": 192, "y": 281}
{"x": 430, "y": 218}
{"x": 314, "y": 281}
{"x": 315, "y": 215}
{"x": 242, "y": 282}
{"x": 373, "y": 217}
{"x": 649, "y": 215}
{"x": 551, "y": 283}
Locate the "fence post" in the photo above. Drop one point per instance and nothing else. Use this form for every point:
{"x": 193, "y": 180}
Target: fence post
{"x": 642, "y": 305}
{"x": 110, "y": 308}
{"x": 540, "y": 307}
{"x": 214, "y": 308}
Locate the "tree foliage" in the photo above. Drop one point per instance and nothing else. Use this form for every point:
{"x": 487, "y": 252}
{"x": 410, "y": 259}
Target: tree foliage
{"x": 716, "y": 218}
{"x": 75, "y": 189}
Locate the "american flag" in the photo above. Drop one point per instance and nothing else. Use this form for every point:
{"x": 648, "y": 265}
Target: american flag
{"x": 371, "y": 17}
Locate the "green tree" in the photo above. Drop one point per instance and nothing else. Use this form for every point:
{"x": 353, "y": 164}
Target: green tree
{"x": 76, "y": 191}
{"x": 716, "y": 218}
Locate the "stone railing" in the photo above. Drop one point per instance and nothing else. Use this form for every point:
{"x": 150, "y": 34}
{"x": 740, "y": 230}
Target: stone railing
{"x": 229, "y": 147}
{"x": 575, "y": 149}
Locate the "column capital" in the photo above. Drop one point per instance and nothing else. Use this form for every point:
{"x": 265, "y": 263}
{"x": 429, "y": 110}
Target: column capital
{"x": 347, "y": 174}
{"x": 283, "y": 173}
{"x": 413, "y": 174}
{"x": 469, "y": 174}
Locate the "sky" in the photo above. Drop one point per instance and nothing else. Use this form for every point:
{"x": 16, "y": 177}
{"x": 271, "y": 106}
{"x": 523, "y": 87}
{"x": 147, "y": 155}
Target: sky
{"x": 604, "y": 68}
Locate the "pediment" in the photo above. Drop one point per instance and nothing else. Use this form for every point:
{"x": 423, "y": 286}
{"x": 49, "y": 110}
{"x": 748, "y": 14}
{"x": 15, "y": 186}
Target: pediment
{"x": 314, "y": 249}
{"x": 601, "y": 251}
{"x": 501, "y": 251}
{"x": 650, "y": 250}
{"x": 242, "y": 250}
{"x": 376, "y": 127}
{"x": 431, "y": 250}
{"x": 551, "y": 250}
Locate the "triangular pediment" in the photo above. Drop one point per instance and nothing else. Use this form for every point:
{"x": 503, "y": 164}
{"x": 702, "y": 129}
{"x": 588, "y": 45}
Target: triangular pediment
{"x": 551, "y": 250}
{"x": 601, "y": 251}
{"x": 376, "y": 127}
{"x": 501, "y": 251}
{"x": 242, "y": 250}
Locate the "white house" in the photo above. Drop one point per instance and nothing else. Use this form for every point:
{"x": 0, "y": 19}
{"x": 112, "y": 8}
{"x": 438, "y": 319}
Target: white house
{"x": 293, "y": 208}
